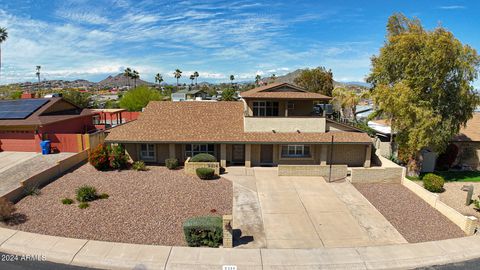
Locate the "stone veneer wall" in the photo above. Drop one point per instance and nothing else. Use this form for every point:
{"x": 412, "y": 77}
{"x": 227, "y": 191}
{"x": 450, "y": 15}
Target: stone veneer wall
{"x": 376, "y": 175}
{"x": 191, "y": 167}
{"x": 338, "y": 171}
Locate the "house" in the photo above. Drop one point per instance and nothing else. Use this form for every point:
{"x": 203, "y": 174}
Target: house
{"x": 468, "y": 144}
{"x": 107, "y": 118}
{"x": 24, "y": 123}
{"x": 271, "y": 125}
{"x": 383, "y": 137}
{"x": 193, "y": 94}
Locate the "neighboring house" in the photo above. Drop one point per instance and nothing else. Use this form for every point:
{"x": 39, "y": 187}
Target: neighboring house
{"x": 194, "y": 94}
{"x": 383, "y": 134}
{"x": 272, "y": 125}
{"x": 468, "y": 143}
{"x": 24, "y": 123}
{"x": 107, "y": 118}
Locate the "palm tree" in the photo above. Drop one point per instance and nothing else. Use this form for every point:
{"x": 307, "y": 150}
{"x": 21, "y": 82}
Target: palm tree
{"x": 158, "y": 78}
{"x": 38, "y": 73}
{"x": 232, "y": 78}
{"x": 196, "y": 76}
{"x": 3, "y": 38}
{"x": 135, "y": 75}
{"x": 177, "y": 74}
{"x": 128, "y": 74}
{"x": 273, "y": 77}
{"x": 192, "y": 78}
{"x": 257, "y": 79}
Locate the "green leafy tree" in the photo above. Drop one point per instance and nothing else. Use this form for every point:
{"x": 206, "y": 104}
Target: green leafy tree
{"x": 138, "y": 98}
{"x": 258, "y": 78}
{"x": 422, "y": 80}
{"x": 78, "y": 98}
{"x": 228, "y": 94}
{"x": 345, "y": 98}
{"x": 318, "y": 80}
{"x": 16, "y": 94}
{"x": 3, "y": 38}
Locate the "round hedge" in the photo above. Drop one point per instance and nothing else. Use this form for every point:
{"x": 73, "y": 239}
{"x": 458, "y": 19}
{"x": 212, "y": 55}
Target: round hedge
{"x": 205, "y": 173}
{"x": 203, "y": 157}
{"x": 433, "y": 182}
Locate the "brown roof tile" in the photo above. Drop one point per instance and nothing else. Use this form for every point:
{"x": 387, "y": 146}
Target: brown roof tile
{"x": 166, "y": 121}
{"x": 267, "y": 91}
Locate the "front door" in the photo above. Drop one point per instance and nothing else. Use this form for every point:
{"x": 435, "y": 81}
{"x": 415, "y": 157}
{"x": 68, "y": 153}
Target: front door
{"x": 266, "y": 154}
{"x": 238, "y": 153}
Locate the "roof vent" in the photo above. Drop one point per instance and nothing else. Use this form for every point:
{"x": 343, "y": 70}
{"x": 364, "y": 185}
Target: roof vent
{"x": 273, "y": 130}
{"x": 298, "y": 130}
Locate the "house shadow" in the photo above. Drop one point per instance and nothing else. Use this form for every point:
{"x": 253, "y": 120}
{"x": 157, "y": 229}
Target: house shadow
{"x": 239, "y": 239}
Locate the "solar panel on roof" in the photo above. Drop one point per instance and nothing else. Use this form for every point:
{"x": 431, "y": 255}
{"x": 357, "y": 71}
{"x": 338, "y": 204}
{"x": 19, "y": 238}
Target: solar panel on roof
{"x": 20, "y": 108}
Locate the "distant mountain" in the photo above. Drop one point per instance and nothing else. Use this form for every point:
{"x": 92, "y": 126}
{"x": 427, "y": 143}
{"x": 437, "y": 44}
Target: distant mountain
{"x": 120, "y": 81}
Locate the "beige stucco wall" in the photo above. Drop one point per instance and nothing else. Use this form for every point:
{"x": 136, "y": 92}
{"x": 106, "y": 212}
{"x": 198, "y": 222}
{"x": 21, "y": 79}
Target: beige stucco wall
{"x": 301, "y": 107}
{"x": 255, "y": 155}
{"x": 351, "y": 154}
{"x": 132, "y": 151}
{"x": 162, "y": 152}
{"x": 284, "y": 124}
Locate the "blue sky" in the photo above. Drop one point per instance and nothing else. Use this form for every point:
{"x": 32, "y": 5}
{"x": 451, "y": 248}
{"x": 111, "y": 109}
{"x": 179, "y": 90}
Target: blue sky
{"x": 93, "y": 39}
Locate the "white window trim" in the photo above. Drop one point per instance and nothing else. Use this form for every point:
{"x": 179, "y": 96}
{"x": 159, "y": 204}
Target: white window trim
{"x": 192, "y": 153}
{"x": 148, "y": 157}
{"x": 262, "y": 104}
{"x": 296, "y": 147}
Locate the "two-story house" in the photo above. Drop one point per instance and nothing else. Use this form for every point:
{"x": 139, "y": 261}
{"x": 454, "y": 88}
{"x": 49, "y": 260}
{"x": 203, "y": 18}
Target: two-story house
{"x": 271, "y": 125}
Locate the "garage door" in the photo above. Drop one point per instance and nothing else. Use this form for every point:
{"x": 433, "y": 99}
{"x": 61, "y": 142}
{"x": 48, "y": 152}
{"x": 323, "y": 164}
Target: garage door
{"x": 23, "y": 141}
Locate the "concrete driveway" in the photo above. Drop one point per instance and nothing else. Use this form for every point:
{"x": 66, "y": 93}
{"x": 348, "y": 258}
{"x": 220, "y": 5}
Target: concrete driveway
{"x": 307, "y": 212}
{"x": 10, "y": 159}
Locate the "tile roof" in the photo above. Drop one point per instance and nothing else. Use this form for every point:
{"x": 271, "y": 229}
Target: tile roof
{"x": 40, "y": 116}
{"x": 471, "y": 132}
{"x": 166, "y": 121}
{"x": 268, "y": 91}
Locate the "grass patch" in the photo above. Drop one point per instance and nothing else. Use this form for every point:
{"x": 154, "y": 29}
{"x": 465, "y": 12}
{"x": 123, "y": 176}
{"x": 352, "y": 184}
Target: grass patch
{"x": 452, "y": 176}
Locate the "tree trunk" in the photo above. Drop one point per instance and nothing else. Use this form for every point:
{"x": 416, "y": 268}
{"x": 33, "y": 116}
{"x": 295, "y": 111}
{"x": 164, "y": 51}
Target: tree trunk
{"x": 0, "y": 63}
{"x": 414, "y": 165}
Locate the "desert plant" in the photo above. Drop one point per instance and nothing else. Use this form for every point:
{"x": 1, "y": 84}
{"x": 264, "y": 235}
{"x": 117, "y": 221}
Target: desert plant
{"x": 205, "y": 173}
{"x": 67, "y": 201}
{"x": 116, "y": 157}
{"x": 171, "y": 163}
{"x": 203, "y": 157}
{"x": 32, "y": 191}
{"x": 433, "y": 182}
{"x": 103, "y": 196}
{"x": 139, "y": 166}
{"x": 476, "y": 204}
{"x": 86, "y": 194}
{"x": 83, "y": 205}
{"x": 203, "y": 231}
{"x": 98, "y": 157}
{"x": 6, "y": 209}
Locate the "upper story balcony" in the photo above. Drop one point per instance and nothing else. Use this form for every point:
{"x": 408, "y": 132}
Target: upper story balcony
{"x": 285, "y": 124}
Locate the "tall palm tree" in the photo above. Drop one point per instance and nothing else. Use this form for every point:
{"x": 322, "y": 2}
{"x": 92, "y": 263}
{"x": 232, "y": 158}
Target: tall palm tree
{"x": 128, "y": 74}
{"x": 273, "y": 77}
{"x": 257, "y": 79}
{"x": 38, "y": 73}
{"x": 196, "y": 76}
{"x": 177, "y": 74}
{"x": 3, "y": 38}
{"x": 158, "y": 78}
{"x": 232, "y": 78}
{"x": 192, "y": 78}
{"x": 135, "y": 75}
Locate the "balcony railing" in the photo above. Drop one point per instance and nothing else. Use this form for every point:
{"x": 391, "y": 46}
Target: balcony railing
{"x": 285, "y": 124}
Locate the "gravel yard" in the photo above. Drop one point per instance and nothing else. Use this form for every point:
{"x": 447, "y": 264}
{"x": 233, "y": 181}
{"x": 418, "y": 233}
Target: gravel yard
{"x": 454, "y": 197}
{"x": 143, "y": 207}
{"x": 409, "y": 214}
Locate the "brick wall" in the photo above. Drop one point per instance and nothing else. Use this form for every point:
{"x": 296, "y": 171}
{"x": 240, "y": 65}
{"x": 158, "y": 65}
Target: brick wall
{"x": 377, "y": 175}
{"x": 338, "y": 171}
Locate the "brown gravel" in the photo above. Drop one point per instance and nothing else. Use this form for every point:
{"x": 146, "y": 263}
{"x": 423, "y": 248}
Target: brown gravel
{"x": 414, "y": 219}
{"x": 143, "y": 207}
{"x": 454, "y": 197}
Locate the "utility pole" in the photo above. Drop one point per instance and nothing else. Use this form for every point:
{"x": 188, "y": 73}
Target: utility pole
{"x": 331, "y": 161}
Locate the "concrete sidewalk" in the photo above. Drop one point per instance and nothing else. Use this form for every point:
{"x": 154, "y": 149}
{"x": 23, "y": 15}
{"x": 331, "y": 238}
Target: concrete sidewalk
{"x": 110, "y": 255}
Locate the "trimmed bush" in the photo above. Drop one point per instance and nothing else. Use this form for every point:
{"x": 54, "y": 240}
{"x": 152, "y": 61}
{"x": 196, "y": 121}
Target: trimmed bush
{"x": 205, "y": 173}
{"x": 433, "y": 182}
{"x": 6, "y": 209}
{"x": 139, "y": 166}
{"x": 203, "y": 157}
{"x": 83, "y": 205}
{"x": 86, "y": 194}
{"x": 203, "y": 231}
{"x": 171, "y": 163}
{"x": 67, "y": 201}
{"x": 98, "y": 157}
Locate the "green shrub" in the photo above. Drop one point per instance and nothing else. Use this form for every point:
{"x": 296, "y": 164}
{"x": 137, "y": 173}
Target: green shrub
{"x": 83, "y": 205}
{"x": 476, "y": 204}
{"x": 103, "y": 196}
{"x": 32, "y": 191}
{"x": 86, "y": 194}
{"x": 117, "y": 158}
{"x": 171, "y": 163}
{"x": 98, "y": 157}
{"x": 139, "y": 166}
{"x": 205, "y": 173}
{"x": 67, "y": 201}
{"x": 6, "y": 209}
{"x": 203, "y": 231}
{"x": 433, "y": 182}
{"x": 203, "y": 157}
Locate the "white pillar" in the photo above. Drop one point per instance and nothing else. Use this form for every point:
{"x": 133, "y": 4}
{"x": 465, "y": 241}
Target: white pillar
{"x": 223, "y": 155}
{"x": 323, "y": 154}
{"x": 368, "y": 156}
{"x": 171, "y": 150}
{"x": 248, "y": 155}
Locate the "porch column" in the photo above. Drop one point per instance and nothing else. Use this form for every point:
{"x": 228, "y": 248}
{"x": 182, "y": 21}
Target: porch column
{"x": 323, "y": 154}
{"x": 248, "y": 155}
{"x": 171, "y": 150}
{"x": 368, "y": 156}
{"x": 223, "y": 155}
{"x": 286, "y": 108}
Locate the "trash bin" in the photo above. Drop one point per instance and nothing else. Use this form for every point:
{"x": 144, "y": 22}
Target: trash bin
{"x": 45, "y": 145}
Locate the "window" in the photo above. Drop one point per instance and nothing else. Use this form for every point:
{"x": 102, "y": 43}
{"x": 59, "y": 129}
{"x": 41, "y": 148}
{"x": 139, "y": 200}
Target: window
{"x": 291, "y": 105}
{"x": 147, "y": 152}
{"x": 96, "y": 119}
{"x": 193, "y": 149}
{"x": 295, "y": 151}
{"x": 265, "y": 108}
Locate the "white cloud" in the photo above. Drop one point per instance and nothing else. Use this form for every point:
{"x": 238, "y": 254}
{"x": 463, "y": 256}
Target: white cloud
{"x": 452, "y": 7}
